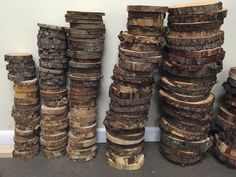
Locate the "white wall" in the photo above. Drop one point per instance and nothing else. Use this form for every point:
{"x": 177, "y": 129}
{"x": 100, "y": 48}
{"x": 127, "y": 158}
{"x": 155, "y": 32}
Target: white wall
{"x": 18, "y": 32}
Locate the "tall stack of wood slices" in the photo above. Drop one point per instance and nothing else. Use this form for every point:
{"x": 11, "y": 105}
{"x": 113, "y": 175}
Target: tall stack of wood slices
{"x": 188, "y": 73}
{"x": 131, "y": 90}
{"x": 225, "y": 146}
{"x": 26, "y": 109}
{"x": 52, "y": 48}
{"x": 85, "y": 50}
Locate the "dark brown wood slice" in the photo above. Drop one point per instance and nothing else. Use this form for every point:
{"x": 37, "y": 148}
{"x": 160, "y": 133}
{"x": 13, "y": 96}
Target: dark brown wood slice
{"x": 143, "y": 8}
{"x": 219, "y": 15}
{"x": 197, "y": 26}
{"x": 196, "y": 7}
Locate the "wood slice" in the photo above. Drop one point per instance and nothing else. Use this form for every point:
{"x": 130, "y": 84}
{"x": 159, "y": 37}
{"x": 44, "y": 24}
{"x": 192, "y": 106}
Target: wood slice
{"x": 204, "y": 71}
{"x": 177, "y": 143}
{"x": 80, "y": 20}
{"x": 90, "y": 45}
{"x": 85, "y": 65}
{"x": 82, "y": 155}
{"x": 86, "y": 14}
{"x": 129, "y": 91}
{"x": 225, "y": 124}
{"x": 185, "y": 135}
{"x": 140, "y": 46}
{"x": 182, "y": 104}
{"x": 172, "y": 40}
{"x": 188, "y": 89}
{"x": 225, "y": 153}
{"x": 25, "y": 155}
{"x": 120, "y": 123}
{"x": 143, "y": 109}
{"x": 198, "y": 7}
{"x": 123, "y": 135}
{"x": 130, "y": 102}
{"x": 182, "y": 158}
{"x": 143, "y": 8}
{"x": 197, "y": 26}
{"x": 53, "y": 137}
{"x": 194, "y": 34}
{"x": 148, "y": 15}
{"x": 118, "y": 74}
{"x": 53, "y": 143}
{"x": 227, "y": 115}
{"x": 126, "y": 37}
{"x": 82, "y": 144}
{"x": 203, "y": 117}
{"x": 147, "y": 30}
{"x": 123, "y": 163}
{"x": 51, "y": 27}
{"x": 83, "y": 55}
{"x": 145, "y": 22}
{"x": 136, "y": 66}
{"x": 120, "y": 150}
{"x": 90, "y": 33}
{"x": 153, "y": 60}
{"x": 53, "y": 111}
{"x": 139, "y": 54}
{"x": 18, "y": 57}
{"x": 120, "y": 141}
{"x": 54, "y": 154}
{"x": 219, "y": 15}
{"x": 200, "y": 61}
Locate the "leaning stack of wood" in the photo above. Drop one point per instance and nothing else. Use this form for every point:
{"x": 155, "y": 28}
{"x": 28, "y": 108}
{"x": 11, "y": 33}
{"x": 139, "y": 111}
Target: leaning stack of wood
{"x": 52, "y": 47}
{"x": 188, "y": 73}
{"x": 131, "y": 90}
{"x": 225, "y": 147}
{"x": 26, "y": 109}
{"x": 85, "y": 50}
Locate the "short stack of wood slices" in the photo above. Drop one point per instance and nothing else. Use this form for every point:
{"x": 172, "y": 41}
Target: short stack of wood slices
{"x": 225, "y": 146}
{"x": 188, "y": 73}
{"x": 52, "y": 48}
{"x": 86, "y": 37}
{"x": 139, "y": 54}
{"x": 26, "y": 109}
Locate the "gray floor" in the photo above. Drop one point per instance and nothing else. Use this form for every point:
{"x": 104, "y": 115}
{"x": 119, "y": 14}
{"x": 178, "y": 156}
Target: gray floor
{"x": 155, "y": 165}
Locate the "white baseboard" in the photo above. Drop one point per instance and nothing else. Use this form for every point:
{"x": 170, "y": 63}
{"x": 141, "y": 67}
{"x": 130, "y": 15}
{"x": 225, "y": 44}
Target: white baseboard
{"x": 152, "y": 134}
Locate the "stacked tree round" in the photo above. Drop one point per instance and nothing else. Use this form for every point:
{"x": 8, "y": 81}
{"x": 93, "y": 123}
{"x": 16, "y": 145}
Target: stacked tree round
{"x": 52, "y": 48}
{"x": 225, "y": 145}
{"x": 139, "y": 55}
{"x": 85, "y": 49}
{"x": 188, "y": 73}
{"x": 26, "y": 109}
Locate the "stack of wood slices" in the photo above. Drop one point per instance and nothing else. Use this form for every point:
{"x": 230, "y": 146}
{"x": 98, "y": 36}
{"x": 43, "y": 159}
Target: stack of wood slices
{"x": 52, "y": 44}
{"x": 225, "y": 147}
{"x": 85, "y": 49}
{"x": 131, "y": 90}
{"x": 26, "y": 109}
{"x": 188, "y": 74}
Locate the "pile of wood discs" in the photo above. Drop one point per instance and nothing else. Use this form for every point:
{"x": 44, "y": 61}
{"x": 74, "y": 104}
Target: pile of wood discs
{"x": 52, "y": 48}
{"x": 131, "y": 90}
{"x": 225, "y": 146}
{"x": 26, "y": 109}
{"x": 188, "y": 73}
{"x": 85, "y": 49}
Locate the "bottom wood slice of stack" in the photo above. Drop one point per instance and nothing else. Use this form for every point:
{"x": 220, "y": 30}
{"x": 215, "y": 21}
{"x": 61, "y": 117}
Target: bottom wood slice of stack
{"x": 225, "y": 145}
